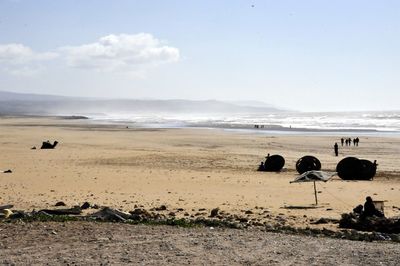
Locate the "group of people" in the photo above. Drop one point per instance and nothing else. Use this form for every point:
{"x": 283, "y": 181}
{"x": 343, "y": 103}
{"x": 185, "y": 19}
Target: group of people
{"x": 348, "y": 141}
{"x": 368, "y": 210}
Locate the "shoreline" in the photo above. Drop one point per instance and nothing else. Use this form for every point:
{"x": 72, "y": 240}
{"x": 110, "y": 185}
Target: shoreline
{"x": 240, "y": 128}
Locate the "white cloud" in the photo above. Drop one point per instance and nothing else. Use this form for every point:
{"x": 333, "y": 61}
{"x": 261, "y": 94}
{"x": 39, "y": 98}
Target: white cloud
{"x": 19, "y": 59}
{"x": 121, "y": 52}
{"x": 130, "y": 53}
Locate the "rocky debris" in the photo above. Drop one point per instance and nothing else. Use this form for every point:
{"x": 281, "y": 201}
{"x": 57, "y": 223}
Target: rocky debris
{"x": 370, "y": 224}
{"x": 161, "y": 208}
{"x": 85, "y": 206}
{"x": 60, "y": 203}
{"x": 5, "y": 213}
{"x": 108, "y": 214}
{"x": 214, "y": 212}
{"x": 8, "y": 206}
{"x": 379, "y": 228}
{"x": 325, "y": 221}
{"x": 139, "y": 214}
{"x": 71, "y": 211}
{"x": 7, "y": 171}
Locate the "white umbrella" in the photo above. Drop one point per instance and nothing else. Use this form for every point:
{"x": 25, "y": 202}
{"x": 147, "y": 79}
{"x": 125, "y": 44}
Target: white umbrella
{"x": 313, "y": 176}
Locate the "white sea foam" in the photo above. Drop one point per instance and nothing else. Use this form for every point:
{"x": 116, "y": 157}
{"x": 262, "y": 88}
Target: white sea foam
{"x": 282, "y": 121}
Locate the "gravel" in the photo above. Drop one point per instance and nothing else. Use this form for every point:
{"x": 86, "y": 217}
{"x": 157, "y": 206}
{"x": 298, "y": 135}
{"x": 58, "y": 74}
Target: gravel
{"x": 91, "y": 243}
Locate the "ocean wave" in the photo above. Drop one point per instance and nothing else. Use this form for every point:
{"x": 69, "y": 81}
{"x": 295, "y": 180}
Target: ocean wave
{"x": 379, "y": 122}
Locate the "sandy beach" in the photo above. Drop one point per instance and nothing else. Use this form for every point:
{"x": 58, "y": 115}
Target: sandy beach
{"x": 191, "y": 172}
{"x": 191, "y": 169}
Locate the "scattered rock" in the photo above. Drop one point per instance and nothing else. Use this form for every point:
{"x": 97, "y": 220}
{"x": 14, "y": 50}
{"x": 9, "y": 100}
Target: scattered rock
{"x": 161, "y": 208}
{"x": 108, "y": 214}
{"x": 70, "y": 211}
{"x": 8, "y": 206}
{"x": 7, "y": 171}
{"x": 321, "y": 221}
{"x": 60, "y": 203}
{"x": 5, "y": 213}
{"x": 85, "y": 205}
{"x": 214, "y": 212}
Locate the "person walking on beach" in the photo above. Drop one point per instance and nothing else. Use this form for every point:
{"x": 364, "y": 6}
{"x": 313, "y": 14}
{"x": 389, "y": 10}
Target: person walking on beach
{"x": 342, "y": 141}
{"x": 336, "y": 148}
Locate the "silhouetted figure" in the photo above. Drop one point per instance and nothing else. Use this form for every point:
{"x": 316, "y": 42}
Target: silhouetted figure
{"x": 357, "y": 141}
{"x": 358, "y": 210}
{"x": 336, "y": 148}
{"x": 374, "y": 166}
{"x": 370, "y": 209}
{"x": 261, "y": 167}
{"x": 342, "y": 141}
{"x": 347, "y": 142}
{"x": 48, "y": 145}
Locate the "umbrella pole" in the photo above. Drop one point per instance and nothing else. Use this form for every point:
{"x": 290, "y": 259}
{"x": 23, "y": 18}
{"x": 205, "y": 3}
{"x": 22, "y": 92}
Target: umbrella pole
{"x": 315, "y": 193}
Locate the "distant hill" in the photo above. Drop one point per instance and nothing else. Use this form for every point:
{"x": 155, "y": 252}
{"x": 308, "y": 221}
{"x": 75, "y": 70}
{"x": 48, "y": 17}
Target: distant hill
{"x": 37, "y": 104}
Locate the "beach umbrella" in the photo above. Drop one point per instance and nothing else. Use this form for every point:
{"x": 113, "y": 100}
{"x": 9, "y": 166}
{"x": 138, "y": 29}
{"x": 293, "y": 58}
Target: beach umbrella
{"x": 314, "y": 176}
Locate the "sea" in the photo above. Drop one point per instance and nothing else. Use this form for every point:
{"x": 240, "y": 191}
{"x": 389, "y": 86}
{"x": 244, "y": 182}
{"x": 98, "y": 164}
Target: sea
{"x": 321, "y": 123}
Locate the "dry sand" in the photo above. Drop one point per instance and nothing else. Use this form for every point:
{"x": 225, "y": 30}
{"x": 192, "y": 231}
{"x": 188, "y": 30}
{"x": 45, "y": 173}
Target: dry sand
{"x": 184, "y": 168}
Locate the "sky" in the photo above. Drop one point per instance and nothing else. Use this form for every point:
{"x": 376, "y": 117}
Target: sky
{"x": 309, "y": 55}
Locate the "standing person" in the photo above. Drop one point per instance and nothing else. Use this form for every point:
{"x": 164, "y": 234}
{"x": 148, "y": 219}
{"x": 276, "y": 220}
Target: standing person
{"x": 342, "y": 141}
{"x": 336, "y": 148}
{"x": 357, "y": 141}
{"x": 349, "y": 141}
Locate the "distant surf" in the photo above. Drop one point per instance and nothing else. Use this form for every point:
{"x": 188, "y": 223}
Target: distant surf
{"x": 387, "y": 122}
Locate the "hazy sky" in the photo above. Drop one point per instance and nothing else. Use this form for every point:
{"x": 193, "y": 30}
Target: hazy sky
{"x": 316, "y": 55}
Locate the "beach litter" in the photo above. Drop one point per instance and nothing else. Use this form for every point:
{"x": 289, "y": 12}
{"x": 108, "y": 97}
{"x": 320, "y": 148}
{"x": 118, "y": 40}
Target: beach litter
{"x": 352, "y": 168}
{"x": 307, "y": 163}
{"x": 273, "y": 163}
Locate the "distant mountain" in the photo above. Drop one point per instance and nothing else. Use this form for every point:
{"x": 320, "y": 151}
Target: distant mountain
{"x": 13, "y": 96}
{"x": 37, "y": 104}
{"x": 252, "y": 104}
